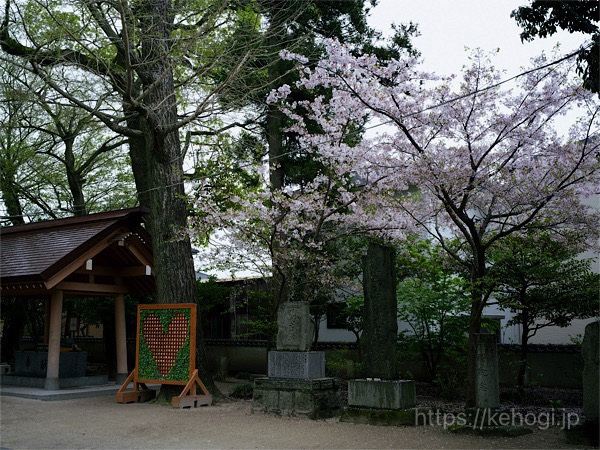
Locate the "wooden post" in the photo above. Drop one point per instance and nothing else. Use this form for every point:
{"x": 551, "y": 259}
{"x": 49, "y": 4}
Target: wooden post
{"x": 121, "y": 338}
{"x": 52, "y": 380}
{"x": 47, "y": 320}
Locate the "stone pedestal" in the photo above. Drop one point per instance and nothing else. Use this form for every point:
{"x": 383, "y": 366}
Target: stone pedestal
{"x": 382, "y": 394}
{"x": 315, "y": 399}
{"x": 297, "y": 365}
{"x": 382, "y": 402}
{"x": 35, "y": 364}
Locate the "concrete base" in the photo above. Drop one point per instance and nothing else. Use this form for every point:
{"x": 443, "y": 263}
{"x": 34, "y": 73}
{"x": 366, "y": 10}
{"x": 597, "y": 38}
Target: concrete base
{"x": 52, "y": 384}
{"x": 297, "y": 365}
{"x": 62, "y": 383}
{"x": 315, "y": 399}
{"x": 121, "y": 378}
{"x": 382, "y": 394}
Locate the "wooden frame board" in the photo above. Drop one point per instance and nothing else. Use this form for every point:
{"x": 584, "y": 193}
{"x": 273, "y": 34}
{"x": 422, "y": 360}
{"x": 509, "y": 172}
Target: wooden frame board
{"x": 165, "y": 343}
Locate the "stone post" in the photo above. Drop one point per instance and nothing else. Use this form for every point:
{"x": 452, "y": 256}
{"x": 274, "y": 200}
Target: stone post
{"x": 487, "y": 379}
{"x": 591, "y": 377}
{"x": 294, "y": 327}
{"x": 380, "y": 317}
{"x": 381, "y": 394}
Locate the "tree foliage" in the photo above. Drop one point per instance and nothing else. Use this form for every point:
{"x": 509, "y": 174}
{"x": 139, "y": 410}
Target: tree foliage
{"x": 543, "y": 284}
{"x": 544, "y": 18}
{"x": 433, "y": 300}
{"x": 464, "y": 161}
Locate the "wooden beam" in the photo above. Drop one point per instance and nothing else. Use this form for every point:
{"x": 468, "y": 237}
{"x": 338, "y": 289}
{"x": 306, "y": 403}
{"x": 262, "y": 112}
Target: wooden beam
{"x": 129, "y": 271}
{"x": 92, "y": 288}
{"x": 18, "y": 290}
{"x": 140, "y": 257}
{"x": 69, "y": 269}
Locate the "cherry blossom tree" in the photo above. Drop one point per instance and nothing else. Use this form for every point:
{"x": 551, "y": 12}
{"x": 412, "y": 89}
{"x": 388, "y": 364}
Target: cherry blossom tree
{"x": 469, "y": 160}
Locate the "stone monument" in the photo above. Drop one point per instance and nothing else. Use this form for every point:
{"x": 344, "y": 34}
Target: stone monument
{"x": 590, "y": 429}
{"x": 487, "y": 394}
{"x": 591, "y": 375}
{"x": 381, "y": 389}
{"x": 296, "y": 384}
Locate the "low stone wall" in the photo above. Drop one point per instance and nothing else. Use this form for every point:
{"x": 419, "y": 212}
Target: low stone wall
{"x": 558, "y": 366}
{"x": 550, "y": 365}
{"x": 241, "y": 356}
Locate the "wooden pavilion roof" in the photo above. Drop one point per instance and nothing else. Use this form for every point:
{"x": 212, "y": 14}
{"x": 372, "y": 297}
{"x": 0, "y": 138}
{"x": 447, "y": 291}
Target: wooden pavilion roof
{"x": 98, "y": 254}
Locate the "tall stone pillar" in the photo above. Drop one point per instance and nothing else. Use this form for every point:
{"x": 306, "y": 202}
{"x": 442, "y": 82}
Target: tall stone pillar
{"x": 380, "y": 316}
{"x": 487, "y": 394}
{"x": 591, "y": 374}
{"x": 121, "y": 339}
{"x": 52, "y": 380}
{"x": 381, "y": 390}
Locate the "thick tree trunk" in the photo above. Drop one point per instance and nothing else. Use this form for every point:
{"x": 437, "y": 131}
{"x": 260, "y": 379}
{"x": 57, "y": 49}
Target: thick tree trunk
{"x": 274, "y": 131}
{"x": 10, "y": 195}
{"x": 474, "y": 328}
{"x": 157, "y": 164}
{"x": 74, "y": 179}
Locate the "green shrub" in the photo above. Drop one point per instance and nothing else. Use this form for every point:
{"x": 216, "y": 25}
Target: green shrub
{"x": 338, "y": 362}
{"x": 242, "y": 391}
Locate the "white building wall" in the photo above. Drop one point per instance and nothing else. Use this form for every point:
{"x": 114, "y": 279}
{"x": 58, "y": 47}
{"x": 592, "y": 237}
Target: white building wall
{"x": 557, "y": 335}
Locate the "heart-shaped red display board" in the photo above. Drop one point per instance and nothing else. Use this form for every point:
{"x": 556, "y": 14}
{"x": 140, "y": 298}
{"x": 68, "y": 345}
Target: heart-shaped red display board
{"x": 165, "y": 346}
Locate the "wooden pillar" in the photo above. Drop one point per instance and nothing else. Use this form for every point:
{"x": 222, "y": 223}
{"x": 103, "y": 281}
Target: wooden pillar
{"x": 121, "y": 339}
{"x": 52, "y": 380}
{"x": 47, "y": 320}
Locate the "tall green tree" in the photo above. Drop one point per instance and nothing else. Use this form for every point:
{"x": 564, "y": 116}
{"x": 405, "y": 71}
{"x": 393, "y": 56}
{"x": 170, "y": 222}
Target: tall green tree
{"x": 57, "y": 160}
{"x": 543, "y": 284}
{"x": 296, "y": 25}
{"x": 149, "y": 62}
{"x": 18, "y": 143}
{"x": 433, "y": 300}
{"x": 544, "y": 18}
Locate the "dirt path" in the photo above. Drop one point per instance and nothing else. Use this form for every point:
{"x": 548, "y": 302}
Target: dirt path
{"x": 101, "y": 423}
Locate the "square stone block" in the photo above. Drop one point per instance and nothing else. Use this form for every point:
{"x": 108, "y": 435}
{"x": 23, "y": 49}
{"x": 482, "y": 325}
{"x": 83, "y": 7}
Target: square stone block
{"x": 382, "y": 394}
{"x": 297, "y": 365}
{"x": 294, "y": 328}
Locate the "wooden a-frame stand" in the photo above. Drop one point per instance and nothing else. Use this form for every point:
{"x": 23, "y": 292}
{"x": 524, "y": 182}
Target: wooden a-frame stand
{"x": 187, "y": 399}
{"x": 137, "y": 395}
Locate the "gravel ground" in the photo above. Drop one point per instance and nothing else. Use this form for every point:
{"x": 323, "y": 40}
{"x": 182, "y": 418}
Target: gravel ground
{"x": 99, "y": 422}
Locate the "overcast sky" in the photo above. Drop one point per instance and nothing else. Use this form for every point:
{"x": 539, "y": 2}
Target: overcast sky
{"x": 447, "y": 27}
